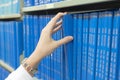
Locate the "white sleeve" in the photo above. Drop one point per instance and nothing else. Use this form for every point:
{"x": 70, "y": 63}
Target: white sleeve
{"x": 20, "y": 74}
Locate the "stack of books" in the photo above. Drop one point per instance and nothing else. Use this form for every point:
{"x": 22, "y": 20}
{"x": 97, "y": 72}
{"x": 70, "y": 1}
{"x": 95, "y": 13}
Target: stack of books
{"x": 28, "y": 3}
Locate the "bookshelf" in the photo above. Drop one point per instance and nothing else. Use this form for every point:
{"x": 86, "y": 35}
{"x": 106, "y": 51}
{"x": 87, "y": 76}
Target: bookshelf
{"x": 12, "y": 16}
{"x": 74, "y": 5}
{"x": 6, "y": 66}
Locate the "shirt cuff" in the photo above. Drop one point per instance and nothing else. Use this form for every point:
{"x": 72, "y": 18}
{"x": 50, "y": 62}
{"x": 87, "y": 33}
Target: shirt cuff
{"x": 20, "y": 74}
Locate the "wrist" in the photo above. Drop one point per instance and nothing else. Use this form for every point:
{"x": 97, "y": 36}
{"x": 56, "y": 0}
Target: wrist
{"x": 31, "y": 70}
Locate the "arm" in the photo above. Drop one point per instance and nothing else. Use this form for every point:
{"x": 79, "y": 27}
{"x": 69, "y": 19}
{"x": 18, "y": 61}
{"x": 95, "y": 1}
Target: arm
{"x": 46, "y": 44}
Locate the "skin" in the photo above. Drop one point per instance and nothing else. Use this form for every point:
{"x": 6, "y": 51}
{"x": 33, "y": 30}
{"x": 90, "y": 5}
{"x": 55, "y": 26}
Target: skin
{"x": 46, "y": 45}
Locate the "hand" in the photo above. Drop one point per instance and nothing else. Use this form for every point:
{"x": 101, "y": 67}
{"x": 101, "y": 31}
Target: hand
{"x": 46, "y": 44}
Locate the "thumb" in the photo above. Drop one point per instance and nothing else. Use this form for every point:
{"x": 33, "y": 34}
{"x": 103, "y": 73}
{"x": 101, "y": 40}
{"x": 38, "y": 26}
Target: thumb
{"x": 64, "y": 40}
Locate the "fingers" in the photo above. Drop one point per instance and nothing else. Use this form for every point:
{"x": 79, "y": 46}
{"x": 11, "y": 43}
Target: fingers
{"x": 59, "y": 23}
{"x": 58, "y": 26}
{"x": 54, "y": 20}
{"x": 59, "y": 15}
{"x": 64, "y": 40}
{"x": 56, "y": 29}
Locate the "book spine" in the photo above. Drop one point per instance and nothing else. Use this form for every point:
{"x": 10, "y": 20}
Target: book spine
{"x": 92, "y": 46}
{"x": 79, "y": 48}
{"x": 100, "y": 17}
{"x": 75, "y": 47}
{"x": 29, "y": 3}
{"x": 108, "y": 23}
{"x": 85, "y": 45}
{"x": 68, "y": 30}
{"x": 36, "y": 2}
{"x": 41, "y": 2}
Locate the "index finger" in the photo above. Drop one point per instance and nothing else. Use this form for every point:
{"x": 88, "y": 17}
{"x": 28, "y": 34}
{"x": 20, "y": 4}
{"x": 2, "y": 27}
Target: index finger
{"x": 58, "y": 16}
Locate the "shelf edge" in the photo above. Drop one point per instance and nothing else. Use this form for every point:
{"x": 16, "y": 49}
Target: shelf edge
{"x": 6, "y": 66}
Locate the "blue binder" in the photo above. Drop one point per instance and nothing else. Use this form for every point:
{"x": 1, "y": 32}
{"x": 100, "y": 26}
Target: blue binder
{"x": 31, "y": 33}
{"x": 75, "y": 31}
{"x": 108, "y": 23}
{"x": 68, "y": 30}
{"x": 85, "y": 45}
{"x": 24, "y": 36}
{"x": 99, "y": 41}
{"x": 79, "y": 45}
{"x": 0, "y": 41}
{"x": 92, "y": 46}
{"x": 28, "y": 35}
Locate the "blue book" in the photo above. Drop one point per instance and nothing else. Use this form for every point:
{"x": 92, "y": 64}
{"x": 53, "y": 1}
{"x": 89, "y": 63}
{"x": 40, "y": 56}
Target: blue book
{"x": 41, "y": 2}
{"x": 31, "y": 34}
{"x": 0, "y": 7}
{"x": 75, "y": 31}
{"x": 108, "y": 23}
{"x": 85, "y": 45}
{"x": 102, "y": 48}
{"x": 36, "y": 2}
{"x": 20, "y": 41}
{"x": 6, "y": 42}
{"x": 68, "y": 30}
{"x": 114, "y": 61}
{"x": 24, "y": 36}
{"x": 47, "y": 1}
{"x": 14, "y": 42}
{"x": 1, "y": 29}
{"x": 79, "y": 45}
{"x": 15, "y": 6}
{"x": 0, "y": 41}
{"x": 62, "y": 56}
{"x": 92, "y": 46}
{"x": 28, "y": 35}
{"x": 4, "y": 37}
{"x": 29, "y": 3}
{"x": 9, "y": 6}
{"x": 99, "y": 39}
